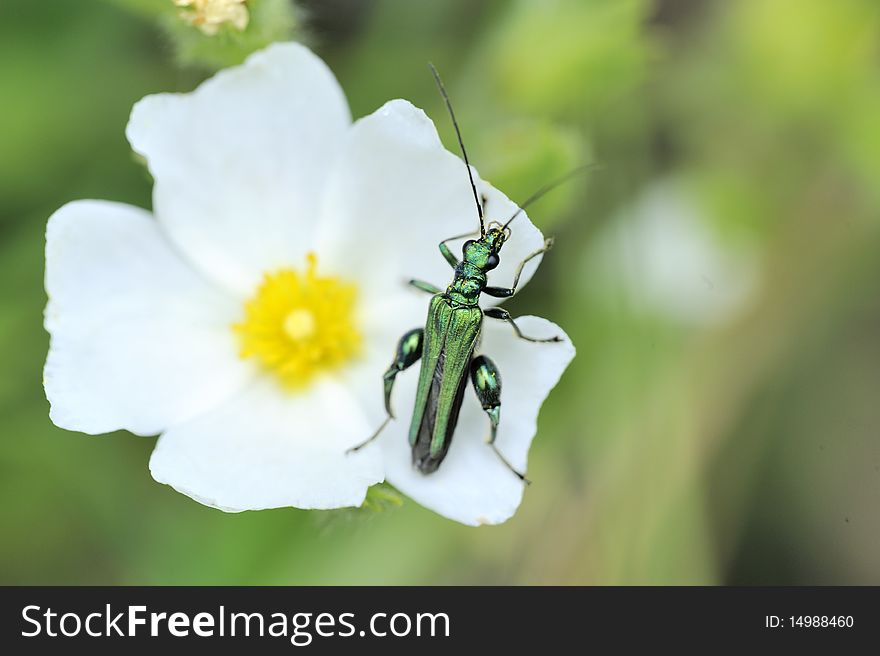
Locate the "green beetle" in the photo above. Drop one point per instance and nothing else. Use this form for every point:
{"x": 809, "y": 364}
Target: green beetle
{"x": 451, "y": 333}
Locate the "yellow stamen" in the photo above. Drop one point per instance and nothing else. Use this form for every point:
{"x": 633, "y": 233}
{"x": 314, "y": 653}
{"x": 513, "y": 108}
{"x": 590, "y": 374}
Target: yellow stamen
{"x": 299, "y": 324}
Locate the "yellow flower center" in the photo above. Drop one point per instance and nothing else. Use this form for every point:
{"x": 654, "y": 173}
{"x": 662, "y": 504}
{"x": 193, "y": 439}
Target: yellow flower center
{"x": 299, "y": 324}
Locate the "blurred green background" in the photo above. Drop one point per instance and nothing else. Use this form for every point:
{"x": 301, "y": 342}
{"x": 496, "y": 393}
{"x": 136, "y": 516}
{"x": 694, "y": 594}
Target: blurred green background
{"x": 720, "y": 276}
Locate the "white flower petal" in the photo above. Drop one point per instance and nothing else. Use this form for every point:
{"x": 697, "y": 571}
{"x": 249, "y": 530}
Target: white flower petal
{"x": 395, "y": 182}
{"x": 665, "y": 258}
{"x": 271, "y": 449}
{"x": 383, "y": 322}
{"x": 472, "y": 485}
{"x": 139, "y": 340}
{"x": 239, "y": 164}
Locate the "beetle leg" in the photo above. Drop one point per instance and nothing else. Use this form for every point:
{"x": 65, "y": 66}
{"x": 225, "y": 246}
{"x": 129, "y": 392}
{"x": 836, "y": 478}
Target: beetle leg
{"x": 499, "y": 292}
{"x": 507, "y": 292}
{"x": 504, "y": 315}
{"x": 486, "y": 380}
{"x": 409, "y": 350}
{"x": 448, "y": 254}
{"x": 425, "y": 286}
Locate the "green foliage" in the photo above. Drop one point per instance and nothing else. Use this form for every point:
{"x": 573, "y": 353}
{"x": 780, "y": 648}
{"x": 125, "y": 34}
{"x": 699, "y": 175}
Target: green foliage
{"x": 513, "y": 154}
{"x": 568, "y": 56}
{"x": 270, "y": 21}
{"x": 382, "y": 497}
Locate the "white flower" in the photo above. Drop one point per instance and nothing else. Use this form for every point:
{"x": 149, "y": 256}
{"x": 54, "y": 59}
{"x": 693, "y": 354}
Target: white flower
{"x": 662, "y": 254}
{"x": 249, "y": 319}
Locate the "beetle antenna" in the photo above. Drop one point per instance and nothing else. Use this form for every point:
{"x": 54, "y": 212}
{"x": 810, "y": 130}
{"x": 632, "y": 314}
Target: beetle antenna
{"x": 461, "y": 145}
{"x": 550, "y": 187}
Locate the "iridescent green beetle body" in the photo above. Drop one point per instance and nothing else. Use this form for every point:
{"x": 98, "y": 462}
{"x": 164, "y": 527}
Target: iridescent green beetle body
{"x": 451, "y": 334}
{"x": 446, "y": 348}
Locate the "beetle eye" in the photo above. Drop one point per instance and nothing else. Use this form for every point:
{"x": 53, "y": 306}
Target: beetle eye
{"x": 492, "y": 261}
{"x": 466, "y": 245}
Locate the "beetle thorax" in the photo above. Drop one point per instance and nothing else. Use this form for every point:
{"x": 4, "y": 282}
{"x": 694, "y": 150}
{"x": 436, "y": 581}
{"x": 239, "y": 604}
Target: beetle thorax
{"x": 468, "y": 284}
{"x": 478, "y": 257}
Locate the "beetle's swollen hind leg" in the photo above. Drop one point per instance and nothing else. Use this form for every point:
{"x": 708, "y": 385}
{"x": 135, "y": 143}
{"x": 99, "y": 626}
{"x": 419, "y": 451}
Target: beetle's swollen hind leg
{"x": 486, "y": 380}
{"x": 487, "y": 384}
{"x": 504, "y": 315}
{"x": 409, "y": 350}
{"x": 425, "y": 286}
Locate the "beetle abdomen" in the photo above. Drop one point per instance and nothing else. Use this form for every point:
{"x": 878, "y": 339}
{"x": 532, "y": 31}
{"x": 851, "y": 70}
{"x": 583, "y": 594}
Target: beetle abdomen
{"x": 423, "y": 458}
{"x": 451, "y": 332}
